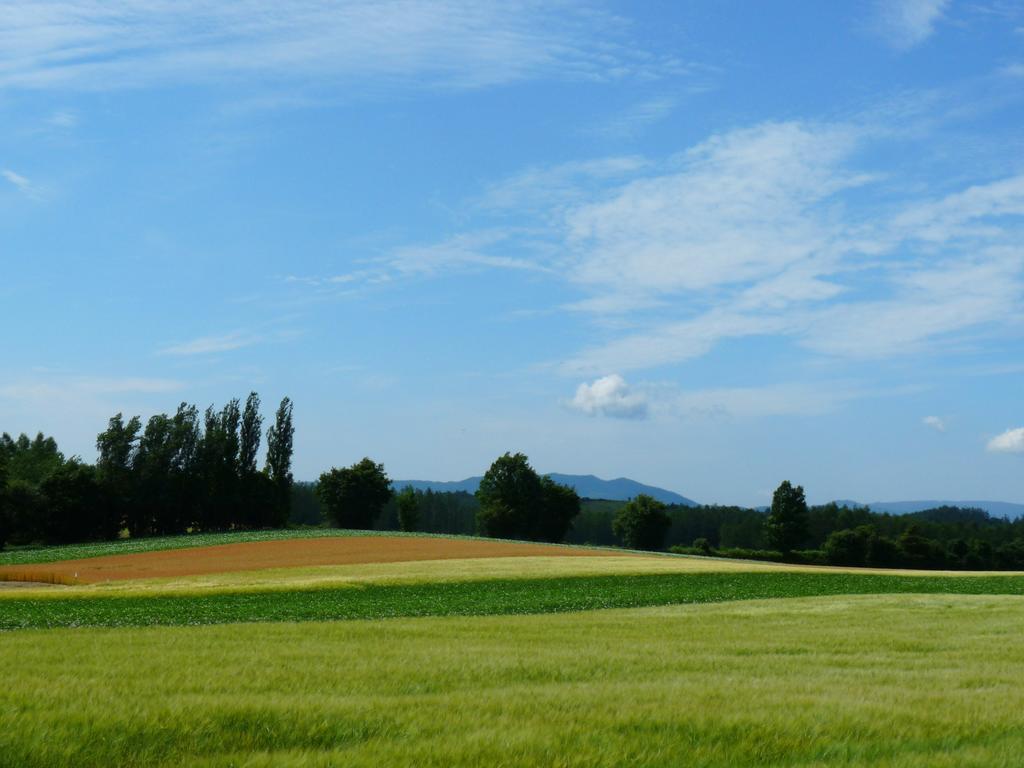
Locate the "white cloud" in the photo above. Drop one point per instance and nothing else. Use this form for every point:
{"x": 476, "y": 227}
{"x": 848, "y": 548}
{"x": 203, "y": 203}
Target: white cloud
{"x": 16, "y": 179}
{"x": 609, "y": 396}
{"x": 23, "y": 184}
{"x": 744, "y": 206}
{"x": 636, "y": 118}
{"x": 934, "y": 422}
{"x": 206, "y": 345}
{"x": 459, "y": 252}
{"x": 81, "y": 44}
{"x": 62, "y": 118}
{"x": 906, "y": 23}
{"x": 544, "y": 189}
{"x": 1010, "y": 441}
{"x": 750, "y": 237}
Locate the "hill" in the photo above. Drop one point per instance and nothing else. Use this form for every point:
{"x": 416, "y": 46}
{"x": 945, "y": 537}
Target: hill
{"x": 587, "y": 486}
{"x": 995, "y": 508}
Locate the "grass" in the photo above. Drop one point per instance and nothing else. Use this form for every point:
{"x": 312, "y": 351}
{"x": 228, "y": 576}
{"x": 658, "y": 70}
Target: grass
{"x": 22, "y": 609}
{"x": 890, "y": 681}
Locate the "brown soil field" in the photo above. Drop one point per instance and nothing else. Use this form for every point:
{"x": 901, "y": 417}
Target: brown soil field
{"x": 288, "y": 553}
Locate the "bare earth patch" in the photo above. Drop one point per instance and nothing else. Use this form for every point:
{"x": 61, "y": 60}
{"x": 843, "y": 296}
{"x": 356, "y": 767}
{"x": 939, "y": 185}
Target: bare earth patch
{"x": 289, "y": 553}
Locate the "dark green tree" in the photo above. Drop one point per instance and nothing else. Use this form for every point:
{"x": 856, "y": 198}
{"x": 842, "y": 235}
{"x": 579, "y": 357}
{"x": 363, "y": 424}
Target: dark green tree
{"x": 249, "y": 436}
{"x": 408, "y": 504}
{"x": 30, "y": 461}
{"x": 642, "y": 523}
{"x": 78, "y": 507}
{"x": 152, "y": 509}
{"x": 787, "y": 523}
{"x": 279, "y": 461}
{"x": 559, "y": 506}
{"x": 353, "y": 497}
{"x": 510, "y": 496}
{"x": 116, "y": 447}
{"x": 849, "y": 546}
{"x": 5, "y": 515}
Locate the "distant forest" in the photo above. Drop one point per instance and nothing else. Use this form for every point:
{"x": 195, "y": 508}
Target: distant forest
{"x": 944, "y": 537}
{"x": 195, "y": 471}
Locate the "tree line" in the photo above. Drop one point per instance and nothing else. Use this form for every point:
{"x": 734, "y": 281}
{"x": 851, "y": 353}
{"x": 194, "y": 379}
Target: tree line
{"x": 788, "y": 530}
{"x": 191, "y": 472}
{"x": 185, "y": 472}
{"x": 513, "y": 502}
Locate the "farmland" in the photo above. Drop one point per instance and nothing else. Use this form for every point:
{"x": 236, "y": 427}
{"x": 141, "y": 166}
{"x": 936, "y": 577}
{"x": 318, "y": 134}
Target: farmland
{"x": 502, "y": 653}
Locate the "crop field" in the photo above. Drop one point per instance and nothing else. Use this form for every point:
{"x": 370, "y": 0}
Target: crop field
{"x": 435, "y": 651}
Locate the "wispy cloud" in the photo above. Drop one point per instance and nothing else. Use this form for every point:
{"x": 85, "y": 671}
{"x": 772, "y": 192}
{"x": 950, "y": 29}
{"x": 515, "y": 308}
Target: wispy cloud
{"x": 79, "y": 44}
{"x": 934, "y": 422}
{"x": 474, "y": 249}
{"x": 637, "y": 118}
{"x": 748, "y": 237}
{"x": 23, "y": 184}
{"x": 1010, "y": 441}
{"x": 551, "y": 189}
{"x": 907, "y": 23}
{"x": 609, "y": 396}
{"x": 205, "y": 345}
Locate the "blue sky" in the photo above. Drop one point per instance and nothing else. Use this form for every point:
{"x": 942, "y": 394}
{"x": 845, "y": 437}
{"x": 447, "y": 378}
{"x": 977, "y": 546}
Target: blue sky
{"x": 707, "y": 245}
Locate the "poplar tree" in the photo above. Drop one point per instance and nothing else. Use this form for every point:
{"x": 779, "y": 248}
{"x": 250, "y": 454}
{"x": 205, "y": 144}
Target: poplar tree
{"x": 279, "y": 460}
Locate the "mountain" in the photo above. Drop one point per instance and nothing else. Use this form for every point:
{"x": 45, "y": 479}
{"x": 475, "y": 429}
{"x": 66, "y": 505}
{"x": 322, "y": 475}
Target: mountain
{"x": 587, "y": 486}
{"x": 994, "y": 508}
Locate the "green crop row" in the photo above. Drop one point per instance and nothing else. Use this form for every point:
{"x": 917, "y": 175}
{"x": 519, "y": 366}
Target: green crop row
{"x": 505, "y": 596}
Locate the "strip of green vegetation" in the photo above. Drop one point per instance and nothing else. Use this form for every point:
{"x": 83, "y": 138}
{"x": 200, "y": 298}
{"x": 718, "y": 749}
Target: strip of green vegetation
{"x": 507, "y": 596}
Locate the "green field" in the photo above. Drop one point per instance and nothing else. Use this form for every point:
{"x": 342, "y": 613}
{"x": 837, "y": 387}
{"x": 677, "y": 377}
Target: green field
{"x": 641, "y": 661}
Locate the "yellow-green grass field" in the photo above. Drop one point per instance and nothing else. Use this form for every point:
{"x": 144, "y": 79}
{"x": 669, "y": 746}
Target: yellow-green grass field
{"x": 850, "y": 681}
{"x": 531, "y": 660}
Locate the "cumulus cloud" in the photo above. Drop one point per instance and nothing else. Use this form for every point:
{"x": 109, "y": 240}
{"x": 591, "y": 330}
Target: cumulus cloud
{"x": 1010, "y": 441}
{"x": 610, "y": 396}
{"x": 935, "y": 423}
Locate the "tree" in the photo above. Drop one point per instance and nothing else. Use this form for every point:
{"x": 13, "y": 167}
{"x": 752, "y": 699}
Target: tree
{"x": 30, "y": 461}
{"x": 77, "y": 505}
{"x": 279, "y": 461}
{"x": 354, "y": 496}
{"x": 849, "y": 546}
{"x": 5, "y": 515}
{"x": 510, "y": 496}
{"x": 116, "y": 447}
{"x": 787, "y": 523}
{"x": 642, "y": 523}
{"x": 249, "y": 437}
{"x": 559, "y": 506}
{"x": 408, "y": 509}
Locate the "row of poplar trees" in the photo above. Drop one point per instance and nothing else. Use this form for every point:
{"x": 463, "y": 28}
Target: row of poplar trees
{"x": 188, "y": 472}
{"x": 185, "y": 472}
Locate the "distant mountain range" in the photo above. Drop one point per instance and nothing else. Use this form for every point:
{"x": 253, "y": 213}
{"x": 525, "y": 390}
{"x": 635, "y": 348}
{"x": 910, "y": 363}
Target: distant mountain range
{"x": 587, "y": 486}
{"x": 994, "y": 508}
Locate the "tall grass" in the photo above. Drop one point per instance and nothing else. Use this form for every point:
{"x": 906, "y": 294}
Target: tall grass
{"x": 897, "y": 682}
